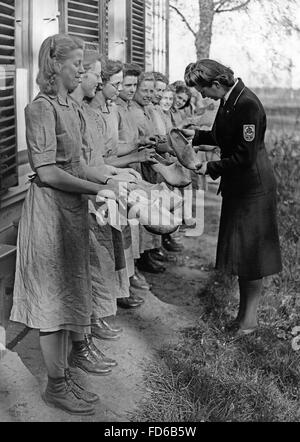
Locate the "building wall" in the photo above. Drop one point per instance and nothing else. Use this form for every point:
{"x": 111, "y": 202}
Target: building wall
{"x": 35, "y": 21}
{"x": 38, "y": 19}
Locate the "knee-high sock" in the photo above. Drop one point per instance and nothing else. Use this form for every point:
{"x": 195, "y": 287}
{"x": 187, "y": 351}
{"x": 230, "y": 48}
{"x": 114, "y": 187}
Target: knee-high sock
{"x": 54, "y": 352}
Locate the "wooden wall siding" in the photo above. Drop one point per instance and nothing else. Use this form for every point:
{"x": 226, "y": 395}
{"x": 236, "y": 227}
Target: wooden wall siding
{"x": 8, "y": 142}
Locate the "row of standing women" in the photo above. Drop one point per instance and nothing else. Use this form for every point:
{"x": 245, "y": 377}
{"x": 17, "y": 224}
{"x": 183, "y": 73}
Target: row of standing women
{"x": 97, "y": 128}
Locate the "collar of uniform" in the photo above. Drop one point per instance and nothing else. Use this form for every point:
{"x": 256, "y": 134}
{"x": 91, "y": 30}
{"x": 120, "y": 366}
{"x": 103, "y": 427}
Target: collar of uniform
{"x": 235, "y": 94}
{"x": 104, "y": 108}
{"x": 60, "y": 100}
{"x": 72, "y": 99}
{"x": 139, "y": 106}
{"x": 230, "y": 90}
{"x": 122, "y": 103}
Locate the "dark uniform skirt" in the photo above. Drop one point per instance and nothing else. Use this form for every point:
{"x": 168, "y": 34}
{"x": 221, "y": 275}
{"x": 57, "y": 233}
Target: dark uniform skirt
{"x": 248, "y": 244}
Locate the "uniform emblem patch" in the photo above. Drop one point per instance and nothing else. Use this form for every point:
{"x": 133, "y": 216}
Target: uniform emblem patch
{"x": 249, "y": 132}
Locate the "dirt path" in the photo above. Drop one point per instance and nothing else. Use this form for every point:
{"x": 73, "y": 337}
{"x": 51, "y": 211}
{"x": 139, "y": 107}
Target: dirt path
{"x": 172, "y": 305}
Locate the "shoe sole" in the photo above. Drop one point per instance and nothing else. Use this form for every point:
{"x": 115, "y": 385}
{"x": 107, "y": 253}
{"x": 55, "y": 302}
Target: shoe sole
{"x": 73, "y": 413}
{"x": 111, "y": 365}
{"x": 131, "y": 307}
{"x": 90, "y": 372}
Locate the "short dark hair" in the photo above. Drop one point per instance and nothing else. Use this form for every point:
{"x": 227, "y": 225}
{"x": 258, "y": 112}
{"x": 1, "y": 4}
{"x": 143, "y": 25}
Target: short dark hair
{"x": 110, "y": 68}
{"x": 158, "y": 76}
{"x": 205, "y": 72}
{"x": 178, "y": 83}
{"x": 132, "y": 70}
{"x": 146, "y": 76}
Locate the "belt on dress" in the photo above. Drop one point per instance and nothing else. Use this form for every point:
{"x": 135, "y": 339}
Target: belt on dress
{"x": 34, "y": 179}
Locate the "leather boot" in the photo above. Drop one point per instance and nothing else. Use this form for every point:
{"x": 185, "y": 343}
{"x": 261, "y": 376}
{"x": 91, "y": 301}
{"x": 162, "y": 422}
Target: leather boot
{"x": 140, "y": 276}
{"x": 111, "y": 325}
{"x": 100, "y": 330}
{"x": 59, "y": 394}
{"x": 79, "y": 391}
{"x": 98, "y": 353}
{"x": 136, "y": 283}
{"x": 171, "y": 245}
{"x": 82, "y": 357}
{"x": 158, "y": 255}
{"x": 132, "y": 302}
{"x": 147, "y": 264}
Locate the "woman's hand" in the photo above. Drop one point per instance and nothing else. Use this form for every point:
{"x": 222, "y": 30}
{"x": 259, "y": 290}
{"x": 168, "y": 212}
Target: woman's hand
{"x": 114, "y": 189}
{"x": 146, "y": 156}
{"x": 125, "y": 177}
{"x": 205, "y": 148}
{"x": 133, "y": 172}
{"x": 147, "y": 141}
{"x": 188, "y": 124}
{"x": 111, "y": 170}
{"x": 202, "y": 169}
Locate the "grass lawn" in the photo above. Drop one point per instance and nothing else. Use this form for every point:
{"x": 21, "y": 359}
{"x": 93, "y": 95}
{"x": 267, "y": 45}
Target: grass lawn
{"x": 208, "y": 377}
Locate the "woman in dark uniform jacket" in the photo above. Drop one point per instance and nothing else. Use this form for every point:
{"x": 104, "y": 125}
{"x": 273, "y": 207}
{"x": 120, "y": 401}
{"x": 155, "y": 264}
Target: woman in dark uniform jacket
{"x": 248, "y": 244}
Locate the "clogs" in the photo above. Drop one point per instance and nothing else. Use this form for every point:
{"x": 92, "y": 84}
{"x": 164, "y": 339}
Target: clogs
{"x": 184, "y": 150}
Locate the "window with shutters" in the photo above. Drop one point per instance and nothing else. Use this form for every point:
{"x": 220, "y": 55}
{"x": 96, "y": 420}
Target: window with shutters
{"x": 136, "y": 32}
{"x": 87, "y": 19}
{"x": 8, "y": 143}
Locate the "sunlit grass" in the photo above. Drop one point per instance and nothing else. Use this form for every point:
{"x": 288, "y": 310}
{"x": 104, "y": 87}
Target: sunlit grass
{"x": 207, "y": 376}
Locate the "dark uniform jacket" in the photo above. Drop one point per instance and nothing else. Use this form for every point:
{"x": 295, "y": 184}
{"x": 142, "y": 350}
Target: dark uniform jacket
{"x": 239, "y": 131}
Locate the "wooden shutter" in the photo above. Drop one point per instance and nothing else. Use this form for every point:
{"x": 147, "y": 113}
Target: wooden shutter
{"x": 8, "y": 142}
{"x": 136, "y": 32}
{"x": 87, "y": 19}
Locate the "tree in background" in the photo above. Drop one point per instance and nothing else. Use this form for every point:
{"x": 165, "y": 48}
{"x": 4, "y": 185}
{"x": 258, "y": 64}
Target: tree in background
{"x": 280, "y": 13}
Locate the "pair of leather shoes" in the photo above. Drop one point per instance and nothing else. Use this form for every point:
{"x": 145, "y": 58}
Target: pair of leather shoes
{"x": 147, "y": 263}
{"x": 102, "y": 330}
{"x": 171, "y": 245}
{"x": 183, "y": 148}
{"x": 133, "y": 301}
